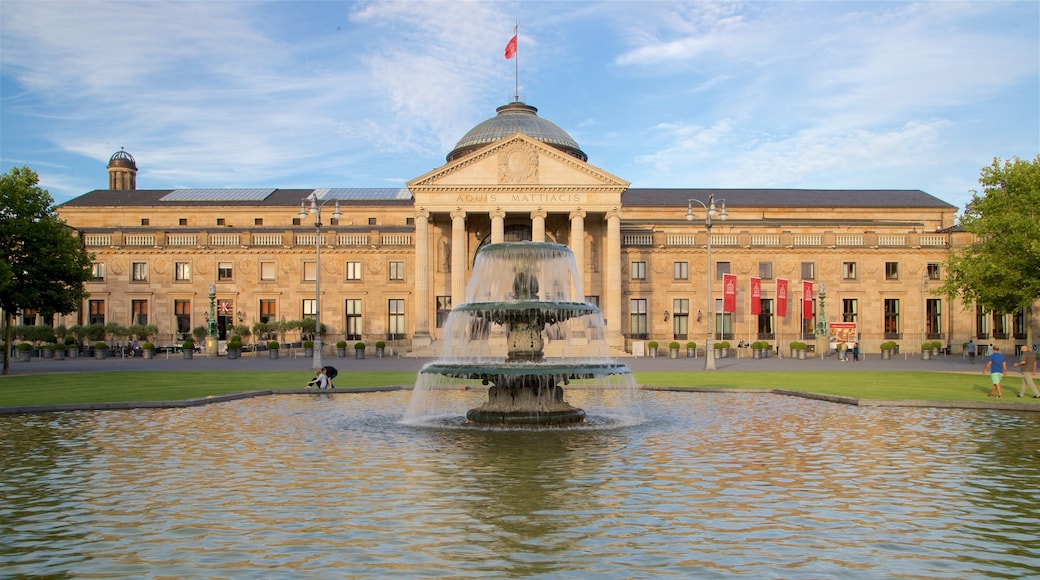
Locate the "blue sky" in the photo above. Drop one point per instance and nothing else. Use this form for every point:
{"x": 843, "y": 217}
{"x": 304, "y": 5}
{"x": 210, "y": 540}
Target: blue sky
{"x": 663, "y": 94}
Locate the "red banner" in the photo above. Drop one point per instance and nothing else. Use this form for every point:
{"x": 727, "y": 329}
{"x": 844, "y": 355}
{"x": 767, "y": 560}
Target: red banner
{"x": 729, "y": 292}
{"x": 781, "y": 297}
{"x": 756, "y": 295}
{"x": 807, "y": 313}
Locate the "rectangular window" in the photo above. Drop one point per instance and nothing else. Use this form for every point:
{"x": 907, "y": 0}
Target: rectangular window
{"x": 354, "y": 320}
{"x": 268, "y": 311}
{"x": 933, "y": 319}
{"x": 808, "y": 270}
{"x": 182, "y": 271}
{"x": 309, "y": 272}
{"x": 225, "y": 272}
{"x": 891, "y": 270}
{"x": 139, "y": 272}
{"x": 139, "y": 312}
{"x": 296, "y": 221}
{"x": 723, "y": 322}
{"x": 849, "y": 310}
{"x": 680, "y": 318}
{"x": 1000, "y": 326}
{"x": 182, "y": 221}
{"x": 372, "y": 221}
{"x": 97, "y": 271}
{"x": 593, "y": 300}
{"x": 443, "y": 309}
{"x": 681, "y": 270}
{"x": 765, "y": 270}
{"x": 182, "y": 318}
{"x": 981, "y": 328}
{"x": 267, "y": 271}
{"x": 639, "y": 270}
{"x": 258, "y": 221}
{"x": 397, "y": 271}
{"x": 221, "y": 222}
{"x": 1018, "y": 325}
{"x": 354, "y": 271}
{"x": 96, "y": 312}
{"x": 933, "y": 271}
{"x": 308, "y": 307}
{"x": 720, "y": 269}
{"x": 28, "y": 317}
{"x": 395, "y": 319}
{"x": 637, "y": 321}
{"x": 144, "y": 221}
{"x": 765, "y": 320}
{"x": 892, "y": 318}
{"x": 848, "y": 270}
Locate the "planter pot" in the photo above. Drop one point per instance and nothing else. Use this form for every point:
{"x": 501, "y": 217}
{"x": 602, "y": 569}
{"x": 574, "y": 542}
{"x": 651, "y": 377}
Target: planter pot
{"x": 48, "y": 353}
{"x": 149, "y": 353}
{"x": 273, "y": 353}
{"x": 886, "y": 354}
{"x": 936, "y": 351}
{"x": 59, "y": 355}
{"x": 100, "y": 353}
{"x": 673, "y": 353}
{"x": 690, "y": 353}
{"x": 233, "y": 353}
{"x": 23, "y": 356}
{"x": 73, "y": 352}
{"x": 379, "y": 353}
{"x": 188, "y": 354}
{"x": 359, "y": 354}
{"x": 756, "y": 353}
{"x": 801, "y": 354}
{"x": 341, "y": 352}
{"x": 721, "y": 352}
{"x": 308, "y": 352}
{"x": 926, "y": 355}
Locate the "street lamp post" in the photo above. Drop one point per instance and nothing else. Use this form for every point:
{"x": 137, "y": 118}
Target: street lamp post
{"x": 211, "y": 338}
{"x": 823, "y": 343}
{"x": 709, "y": 213}
{"x": 315, "y": 210}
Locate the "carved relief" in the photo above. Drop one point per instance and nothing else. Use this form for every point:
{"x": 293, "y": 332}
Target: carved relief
{"x": 518, "y": 163}
{"x": 744, "y": 265}
{"x": 246, "y": 266}
{"x": 160, "y": 265}
{"x": 117, "y": 265}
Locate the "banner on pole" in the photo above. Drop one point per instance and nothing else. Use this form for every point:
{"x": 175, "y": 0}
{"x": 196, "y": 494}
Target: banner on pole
{"x": 729, "y": 293}
{"x": 781, "y": 297}
{"x": 756, "y": 295}
{"x": 807, "y": 298}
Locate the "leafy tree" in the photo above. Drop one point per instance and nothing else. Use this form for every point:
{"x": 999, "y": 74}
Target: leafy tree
{"x": 1000, "y": 269}
{"x": 46, "y": 265}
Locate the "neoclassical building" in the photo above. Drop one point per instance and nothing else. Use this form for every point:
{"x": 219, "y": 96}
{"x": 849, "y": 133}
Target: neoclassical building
{"x": 394, "y": 261}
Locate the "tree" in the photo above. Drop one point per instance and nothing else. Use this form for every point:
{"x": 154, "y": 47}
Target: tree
{"x": 46, "y": 264}
{"x": 1000, "y": 269}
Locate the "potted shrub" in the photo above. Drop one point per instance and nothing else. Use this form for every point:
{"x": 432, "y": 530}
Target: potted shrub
{"x": 48, "y": 350}
{"x": 926, "y": 350}
{"x": 272, "y": 349}
{"x": 341, "y": 348}
{"x": 234, "y": 347}
{"x": 188, "y": 349}
{"x": 722, "y": 349}
{"x": 148, "y": 350}
{"x": 691, "y": 349}
{"x": 100, "y": 349}
{"x": 359, "y": 350}
{"x": 798, "y": 350}
{"x": 652, "y": 347}
{"x": 380, "y": 348}
{"x": 887, "y": 348}
{"x": 59, "y": 350}
{"x": 760, "y": 349}
{"x": 673, "y": 349}
{"x": 24, "y": 351}
{"x": 71, "y": 348}
{"x": 308, "y": 348}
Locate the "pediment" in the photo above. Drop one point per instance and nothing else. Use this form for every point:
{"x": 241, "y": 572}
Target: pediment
{"x": 517, "y": 163}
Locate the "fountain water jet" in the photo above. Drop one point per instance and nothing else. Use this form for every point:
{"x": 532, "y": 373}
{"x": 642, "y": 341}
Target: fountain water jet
{"x": 522, "y": 335}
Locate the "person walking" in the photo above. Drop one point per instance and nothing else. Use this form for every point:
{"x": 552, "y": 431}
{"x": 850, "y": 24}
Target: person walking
{"x": 971, "y": 351}
{"x": 996, "y": 366}
{"x": 1028, "y": 364}
{"x": 855, "y": 352}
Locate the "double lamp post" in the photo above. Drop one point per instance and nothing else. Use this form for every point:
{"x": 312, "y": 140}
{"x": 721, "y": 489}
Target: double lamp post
{"x": 710, "y": 212}
{"x": 315, "y": 210}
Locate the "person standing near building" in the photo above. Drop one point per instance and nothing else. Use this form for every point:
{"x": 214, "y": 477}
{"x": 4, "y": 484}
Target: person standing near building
{"x": 971, "y": 351}
{"x": 996, "y": 366}
{"x": 1028, "y": 364}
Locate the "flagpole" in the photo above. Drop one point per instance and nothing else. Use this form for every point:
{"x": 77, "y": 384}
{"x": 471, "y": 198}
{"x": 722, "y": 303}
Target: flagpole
{"x": 516, "y": 64}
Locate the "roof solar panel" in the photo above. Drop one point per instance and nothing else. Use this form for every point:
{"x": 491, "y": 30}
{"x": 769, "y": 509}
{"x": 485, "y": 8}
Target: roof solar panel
{"x": 364, "y": 193}
{"x": 217, "y": 195}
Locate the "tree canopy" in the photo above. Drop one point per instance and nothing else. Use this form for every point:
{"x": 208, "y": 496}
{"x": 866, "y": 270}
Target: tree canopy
{"x": 1000, "y": 269}
{"x": 43, "y": 264}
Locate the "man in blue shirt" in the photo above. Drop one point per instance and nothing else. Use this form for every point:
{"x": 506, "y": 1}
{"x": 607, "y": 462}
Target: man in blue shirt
{"x": 996, "y": 366}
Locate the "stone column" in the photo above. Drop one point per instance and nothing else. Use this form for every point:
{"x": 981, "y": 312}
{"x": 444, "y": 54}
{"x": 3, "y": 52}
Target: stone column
{"x": 577, "y": 244}
{"x": 421, "y": 337}
{"x": 458, "y": 257}
{"x": 498, "y": 226}
{"x": 612, "y": 299}
{"x": 538, "y": 225}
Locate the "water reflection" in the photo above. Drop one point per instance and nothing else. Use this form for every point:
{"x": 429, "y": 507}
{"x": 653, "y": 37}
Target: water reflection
{"x": 709, "y": 485}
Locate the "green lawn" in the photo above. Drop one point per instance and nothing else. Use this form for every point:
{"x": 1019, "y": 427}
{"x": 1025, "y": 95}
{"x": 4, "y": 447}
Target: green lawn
{"x": 29, "y": 390}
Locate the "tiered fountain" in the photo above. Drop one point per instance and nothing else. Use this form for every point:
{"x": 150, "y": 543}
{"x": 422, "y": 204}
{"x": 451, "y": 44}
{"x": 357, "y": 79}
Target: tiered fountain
{"x": 521, "y": 336}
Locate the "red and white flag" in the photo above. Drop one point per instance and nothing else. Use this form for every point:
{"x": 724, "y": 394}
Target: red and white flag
{"x": 729, "y": 292}
{"x": 807, "y": 312}
{"x": 781, "y": 297}
{"x": 756, "y": 295}
{"x": 511, "y": 47}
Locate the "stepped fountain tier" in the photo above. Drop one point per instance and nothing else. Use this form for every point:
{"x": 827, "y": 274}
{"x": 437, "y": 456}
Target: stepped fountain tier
{"x": 522, "y": 334}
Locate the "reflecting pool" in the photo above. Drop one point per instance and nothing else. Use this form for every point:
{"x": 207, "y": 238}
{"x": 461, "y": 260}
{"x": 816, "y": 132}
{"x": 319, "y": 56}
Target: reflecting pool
{"x": 710, "y": 485}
